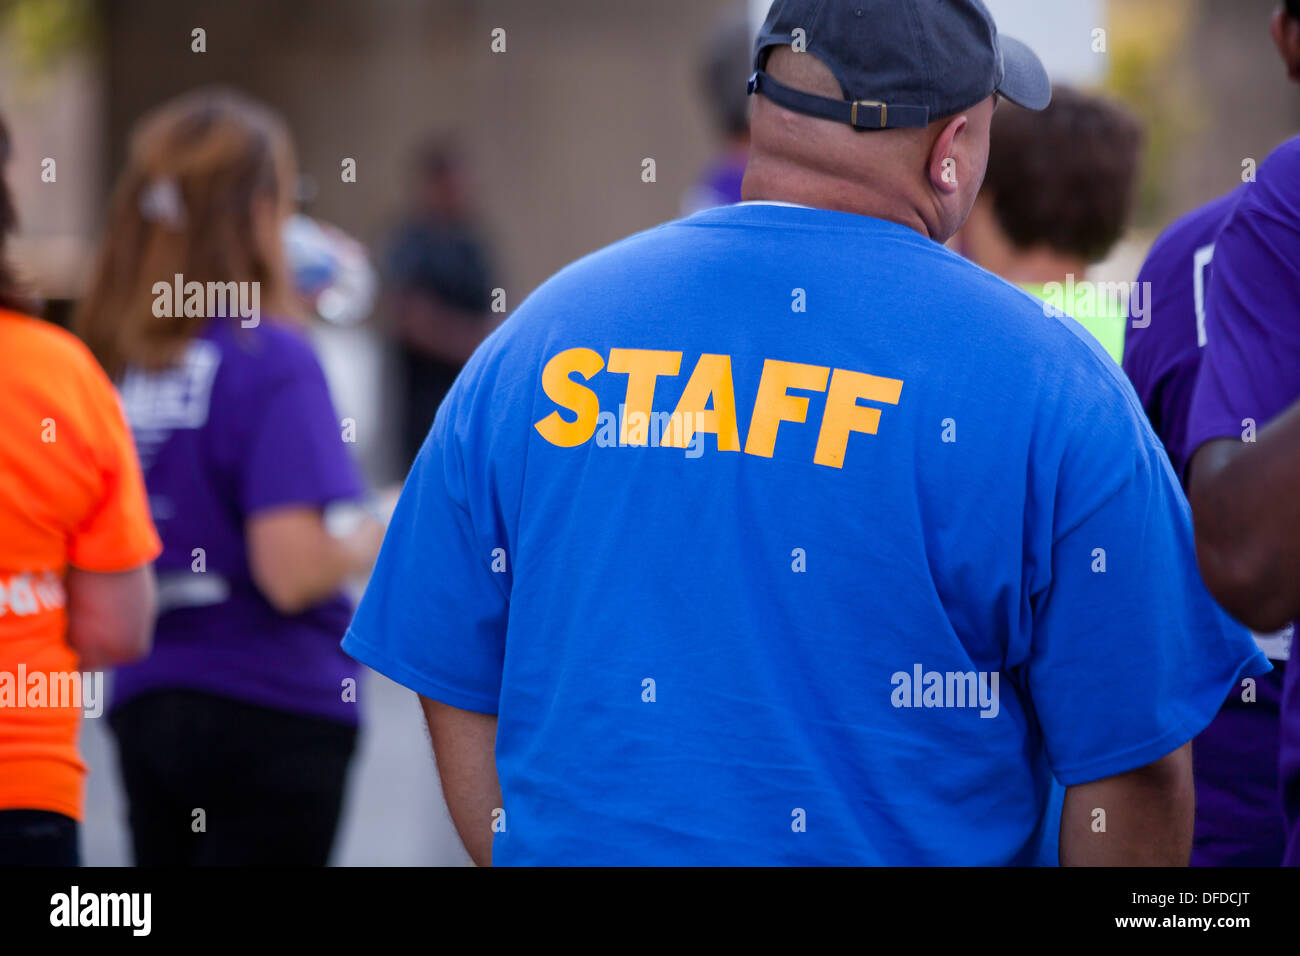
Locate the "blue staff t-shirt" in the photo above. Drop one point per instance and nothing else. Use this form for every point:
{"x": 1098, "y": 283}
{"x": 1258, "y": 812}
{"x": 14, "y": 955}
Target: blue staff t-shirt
{"x": 780, "y": 535}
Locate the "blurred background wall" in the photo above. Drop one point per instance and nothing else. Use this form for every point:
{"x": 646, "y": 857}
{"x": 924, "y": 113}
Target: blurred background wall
{"x": 559, "y": 124}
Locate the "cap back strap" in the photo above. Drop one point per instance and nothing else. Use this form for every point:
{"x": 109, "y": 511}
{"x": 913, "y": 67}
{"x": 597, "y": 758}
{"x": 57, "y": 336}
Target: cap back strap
{"x": 860, "y": 114}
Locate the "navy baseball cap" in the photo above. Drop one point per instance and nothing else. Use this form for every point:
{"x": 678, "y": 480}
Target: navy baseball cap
{"x": 900, "y": 63}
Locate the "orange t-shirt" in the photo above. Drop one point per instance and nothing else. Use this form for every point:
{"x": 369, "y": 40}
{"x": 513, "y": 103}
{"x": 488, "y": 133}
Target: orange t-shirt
{"x": 71, "y": 493}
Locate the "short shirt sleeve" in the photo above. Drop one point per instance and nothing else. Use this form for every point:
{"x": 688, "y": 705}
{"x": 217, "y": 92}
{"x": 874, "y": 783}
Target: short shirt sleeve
{"x": 1131, "y": 657}
{"x": 1161, "y": 355}
{"x": 434, "y": 614}
{"x": 118, "y": 534}
{"x": 296, "y": 453}
{"x": 1250, "y": 368}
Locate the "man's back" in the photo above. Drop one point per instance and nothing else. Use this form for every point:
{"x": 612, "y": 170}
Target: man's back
{"x": 901, "y": 573}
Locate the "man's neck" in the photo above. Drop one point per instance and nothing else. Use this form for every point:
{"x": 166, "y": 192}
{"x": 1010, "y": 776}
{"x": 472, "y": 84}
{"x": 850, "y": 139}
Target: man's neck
{"x": 764, "y": 182}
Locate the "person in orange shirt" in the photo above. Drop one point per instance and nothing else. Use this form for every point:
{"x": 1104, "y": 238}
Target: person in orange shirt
{"x": 76, "y": 584}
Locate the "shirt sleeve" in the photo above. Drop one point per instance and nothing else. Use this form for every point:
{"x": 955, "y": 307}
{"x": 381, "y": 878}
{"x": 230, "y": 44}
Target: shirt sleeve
{"x": 118, "y": 534}
{"x": 296, "y": 453}
{"x": 1250, "y": 367}
{"x": 1161, "y": 357}
{"x": 1131, "y": 657}
{"x": 1143, "y": 361}
{"x": 434, "y": 613}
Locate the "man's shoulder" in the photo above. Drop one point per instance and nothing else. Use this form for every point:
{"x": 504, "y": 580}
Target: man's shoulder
{"x": 737, "y": 231}
{"x": 942, "y": 282}
{"x": 1054, "y": 358}
{"x": 900, "y": 266}
{"x": 1283, "y": 164}
{"x": 1175, "y": 247}
{"x": 1275, "y": 194}
{"x": 1032, "y": 331}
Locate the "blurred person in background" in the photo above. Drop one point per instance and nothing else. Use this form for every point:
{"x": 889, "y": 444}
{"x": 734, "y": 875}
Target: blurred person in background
{"x": 440, "y": 275}
{"x": 76, "y": 586}
{"x": 725, "y": 68}
{"x": 1243, "y": 440}
{"x": 1238, "y": 801}
{"x": 246, "y": 708}
{"x": 1058, "y": 196}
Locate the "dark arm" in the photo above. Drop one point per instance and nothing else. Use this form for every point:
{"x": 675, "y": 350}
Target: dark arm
{"x": 1148, "y": 816}
{"x": 1247, "y": 517}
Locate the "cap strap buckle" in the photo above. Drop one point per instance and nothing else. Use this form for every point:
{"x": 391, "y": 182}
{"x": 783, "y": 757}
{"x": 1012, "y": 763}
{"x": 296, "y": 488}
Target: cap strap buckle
{"x": 840, "y": 111}
{"x": 884, "y": 114}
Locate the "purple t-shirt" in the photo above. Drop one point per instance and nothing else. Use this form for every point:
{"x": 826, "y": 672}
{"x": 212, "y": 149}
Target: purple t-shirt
{"x": 242, "y": 424}
{"x": 1238, "y": 808}
{"x": 1250, "y": 367}
{"x": 1163, "y": 351}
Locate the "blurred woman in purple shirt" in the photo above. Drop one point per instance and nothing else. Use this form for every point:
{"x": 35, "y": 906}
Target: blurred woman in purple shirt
{"x": 236, "y": 733}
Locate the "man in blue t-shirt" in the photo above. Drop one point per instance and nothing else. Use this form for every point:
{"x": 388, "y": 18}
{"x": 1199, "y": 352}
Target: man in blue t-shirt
{"x": 781, "y": 534}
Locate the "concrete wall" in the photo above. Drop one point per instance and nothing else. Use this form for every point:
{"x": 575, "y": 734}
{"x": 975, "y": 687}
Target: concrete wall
{"x": 557, "y": 125}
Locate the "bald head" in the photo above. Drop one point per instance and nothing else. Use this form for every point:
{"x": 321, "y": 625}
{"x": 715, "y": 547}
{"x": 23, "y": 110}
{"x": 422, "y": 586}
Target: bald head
{"x": 926, "y": 179}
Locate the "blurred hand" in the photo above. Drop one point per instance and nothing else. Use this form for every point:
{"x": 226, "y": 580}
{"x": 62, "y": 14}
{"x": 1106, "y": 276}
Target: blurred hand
{"x": 363, "y": 545}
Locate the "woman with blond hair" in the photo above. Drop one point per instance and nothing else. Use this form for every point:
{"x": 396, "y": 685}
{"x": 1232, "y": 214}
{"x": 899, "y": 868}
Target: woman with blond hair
{"x": 236, "y": 732}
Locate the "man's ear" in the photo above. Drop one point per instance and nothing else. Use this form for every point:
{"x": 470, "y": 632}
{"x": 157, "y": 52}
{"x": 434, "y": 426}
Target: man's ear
{"x": 1285, "y": 31}
{"x": 943, "y": 156}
